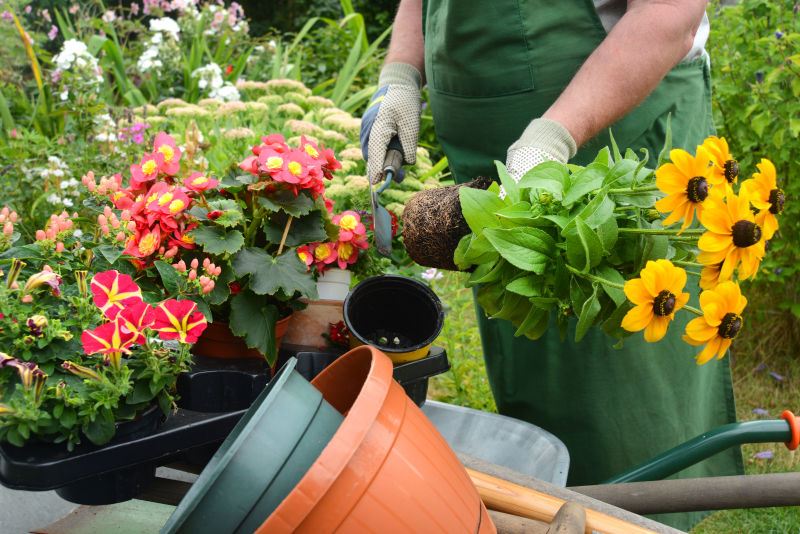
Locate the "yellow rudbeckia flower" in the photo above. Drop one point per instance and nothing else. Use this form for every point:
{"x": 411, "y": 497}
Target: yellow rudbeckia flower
{"x": 720, "y": 323}
{"x": 766, "y": 197}
{"x": 709, "y": 276}
{"x": 724, "y": 167}
{"x": 733, "y": 237}
{"x": 657, "y": 295}
{"x": 685, "y": 181}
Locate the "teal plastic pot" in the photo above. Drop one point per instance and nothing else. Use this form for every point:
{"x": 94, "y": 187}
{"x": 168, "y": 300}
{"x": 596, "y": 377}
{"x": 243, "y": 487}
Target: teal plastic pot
{"x": 261, "y": 460}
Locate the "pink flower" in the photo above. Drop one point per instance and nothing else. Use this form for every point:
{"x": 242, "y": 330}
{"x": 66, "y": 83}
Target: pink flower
{"x": 165, "y": 145}
{"x": 346, "y": 254}
{"x": 136, "y": 318}
{"x": 147, "y": 169}
{"x": 306, "y": 256}
{"x": 110, "y": 339}
{"x": 53, "y": 32}
{"x": 200, "y": 182}
{"x": 350, "y": 226}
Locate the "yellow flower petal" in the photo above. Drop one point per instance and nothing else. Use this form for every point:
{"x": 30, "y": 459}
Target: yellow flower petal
{"x": 637, "y": 292}
{"x": 709, "y": 351}
{"x": 699, "y": 331}
{"x": 638, "y": 318}
{"x": 656, "y": 329}
{"x": 711, "y": 242}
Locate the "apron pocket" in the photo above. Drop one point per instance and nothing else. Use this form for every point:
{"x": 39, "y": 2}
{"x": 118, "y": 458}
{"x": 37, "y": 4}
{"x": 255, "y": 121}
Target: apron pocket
{"x": 476, "y": 48}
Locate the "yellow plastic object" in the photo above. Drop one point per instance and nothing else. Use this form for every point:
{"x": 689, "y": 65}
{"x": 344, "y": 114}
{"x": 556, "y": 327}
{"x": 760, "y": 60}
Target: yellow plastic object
{"x": 397, "y": 357}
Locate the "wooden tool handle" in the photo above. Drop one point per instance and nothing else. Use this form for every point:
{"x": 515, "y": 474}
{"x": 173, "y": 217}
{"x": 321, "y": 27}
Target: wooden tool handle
{"x": 504, "y": 496}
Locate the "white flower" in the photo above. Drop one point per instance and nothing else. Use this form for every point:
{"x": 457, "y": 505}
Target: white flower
{"x": 431, "y": 274}
{"x": 109, "y": 16}
{"x": 166, "y": 25}
{"x": 70, "y": 51}
{"x": 78, "y": 233}
{"x": 228, "y": 93}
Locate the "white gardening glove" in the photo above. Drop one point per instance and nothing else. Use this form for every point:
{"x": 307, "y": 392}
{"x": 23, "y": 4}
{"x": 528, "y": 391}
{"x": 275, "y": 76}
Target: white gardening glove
{"x": 394, "y": 110}
{"x": 542, "y": 140}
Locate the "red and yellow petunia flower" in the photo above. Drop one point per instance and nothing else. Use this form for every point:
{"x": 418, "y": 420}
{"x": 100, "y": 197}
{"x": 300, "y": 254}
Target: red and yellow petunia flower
{"x": 720, "y": 323}
{"x": 766, "y": 197}
{"x": 724, "y": 167}
{"x": 733, "y": 237}
{"x": 110, "y": 339}
{"x": 657, "y": 295}
{"x": 135, "y": 318}
{"x": 113, "y": 291}
{"x": 179, "y": 319}
{"x": 686, "y": 184}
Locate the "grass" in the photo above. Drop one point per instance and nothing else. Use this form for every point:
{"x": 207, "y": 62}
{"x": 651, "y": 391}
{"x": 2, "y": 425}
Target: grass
{"x": 766, "y": 374}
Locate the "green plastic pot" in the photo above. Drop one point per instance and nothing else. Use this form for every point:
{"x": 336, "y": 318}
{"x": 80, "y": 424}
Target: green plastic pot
{"x": 261, "y": 460}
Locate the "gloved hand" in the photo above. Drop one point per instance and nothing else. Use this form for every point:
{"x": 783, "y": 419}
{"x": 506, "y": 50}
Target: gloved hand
{"x": 395, "y": 109}
{"x": 542, "y": 140}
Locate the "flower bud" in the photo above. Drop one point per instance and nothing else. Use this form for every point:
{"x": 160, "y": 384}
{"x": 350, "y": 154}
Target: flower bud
{"x": 105, "y": 229}
{"x": 195, "y": 263}
{"x": 60, "y": 247}
{"x": 107, "y": 211}
{"x": 8, "y": 229}
{"x": 181, "y": 266}
{"x": 27, "y": 299}
{"x": 206, "y": 262}
{"x": 13, "y": 217}
{"x": 131, "y": 227}
{"x": 125, "y": 215}
{"x": 192, "y": 274}
{"x": 120, "y": 236}
{"x": 5, "y": 211}
{"x": 50, "y": 233}
{"x": 102, "y": 219}
{"x": 171, "y": 252}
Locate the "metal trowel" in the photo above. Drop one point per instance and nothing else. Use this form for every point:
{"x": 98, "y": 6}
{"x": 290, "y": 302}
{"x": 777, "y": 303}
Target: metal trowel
{"x": 381, "y": 220}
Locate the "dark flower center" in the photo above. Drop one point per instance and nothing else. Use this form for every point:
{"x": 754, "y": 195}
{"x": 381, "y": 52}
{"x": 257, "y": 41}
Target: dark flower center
{"x": 776, "y": 198}
{"x": 730, "y": 325}
{"x": 746, "y": 234}
{"x": 697, "y": 190}
{"x": 731, "y": 170}
{"x": 664, "y": 303}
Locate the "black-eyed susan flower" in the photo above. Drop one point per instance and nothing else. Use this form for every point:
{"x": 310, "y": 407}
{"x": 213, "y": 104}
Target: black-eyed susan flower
{"x": 685, "y": 181}
{"x": 709, "y": 276}
{"x": 720, "y": 323}
{"x": 733, "y": 237}
{"x": 657, "y": 295}
{"x": 724, "y": 167}
{"x": 766, "y": 197}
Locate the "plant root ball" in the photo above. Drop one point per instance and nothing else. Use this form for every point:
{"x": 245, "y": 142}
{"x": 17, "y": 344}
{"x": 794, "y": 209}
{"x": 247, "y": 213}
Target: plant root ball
{"x": 433, "y": 224}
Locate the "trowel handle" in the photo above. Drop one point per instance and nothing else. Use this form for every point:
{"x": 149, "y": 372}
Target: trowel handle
{"x": 393, "y": 161}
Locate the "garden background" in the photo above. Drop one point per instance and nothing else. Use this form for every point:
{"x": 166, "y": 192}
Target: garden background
{"x": 86, "y": 86}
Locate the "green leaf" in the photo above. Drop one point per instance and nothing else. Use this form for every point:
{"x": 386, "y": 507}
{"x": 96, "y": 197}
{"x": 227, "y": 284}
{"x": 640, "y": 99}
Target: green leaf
{"x": 663, "y": 156}
{"x": 268, "y": 275}
{"x": 604, "y": 156}
{"x": 221, "y": 290}
{"x": 231, "y": 213}
{"x": 550, "y": 176}
{"x": 584, "y": 249}
{"x": 306, "y": 229}
{"x": 68, "y": 418}
{"x": 621, "y": 174}
{"x": 612, "y": 275}
{"x": 526, "y": 248}
{"x": 509, "y": 184}
{"x": 253, "y": 319}
{"x": 215, "y": 240}
{"x": 461, "y": 250}
{"x": 608, "y": 232}
{"x": 170, "y": 278}
{"x": 202, "y": 306}
{"x": 535, "y": 323}
{"x": 598, "y": 210}
{"x": 613, "y": 325}
{"x": 515, "y": 308}
{"x": 584, "y": 181}
{"x": 579, "y": 292}
{"x": 516, "y": 214}
{"x": 527, "y": 286}
{"x": 102, "y": 428}
{"x": 141, "y": 392}
{"x": 478, "y": 207}
{"x": 294, "y": 205}
{"x": 110, "y": 253}
{"x": 591, "y": 308}
{"x": 480, "y": 251}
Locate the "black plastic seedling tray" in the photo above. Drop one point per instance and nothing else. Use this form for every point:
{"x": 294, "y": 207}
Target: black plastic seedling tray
{"x": 213, "y": 397}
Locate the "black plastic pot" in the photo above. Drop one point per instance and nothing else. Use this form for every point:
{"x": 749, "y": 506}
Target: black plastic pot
{"x": 398, "y": 314}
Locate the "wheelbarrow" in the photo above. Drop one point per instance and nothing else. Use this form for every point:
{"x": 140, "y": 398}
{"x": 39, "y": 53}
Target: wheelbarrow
{"x": 529, "y": 485}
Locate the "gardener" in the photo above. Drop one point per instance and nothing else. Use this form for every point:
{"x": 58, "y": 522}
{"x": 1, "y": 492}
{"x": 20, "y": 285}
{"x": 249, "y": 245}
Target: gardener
{"x": 526, "y": 81}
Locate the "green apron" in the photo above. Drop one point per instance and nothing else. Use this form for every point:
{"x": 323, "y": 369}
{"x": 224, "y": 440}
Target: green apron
{"x": 491, "y": 67}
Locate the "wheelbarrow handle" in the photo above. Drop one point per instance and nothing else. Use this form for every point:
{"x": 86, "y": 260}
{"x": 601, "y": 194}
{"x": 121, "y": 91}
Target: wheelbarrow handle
{"x": 501, "y": 495}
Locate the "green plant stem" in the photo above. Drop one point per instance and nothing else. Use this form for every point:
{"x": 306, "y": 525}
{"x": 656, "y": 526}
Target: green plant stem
{"x": 655, "y": 231}
{"x": 692, "y": 309}
{"x": 633, "y": 190}
{"x": 253, "y": 228}
{"x": 688, "y": 264}
{"x": 594, "y": 278}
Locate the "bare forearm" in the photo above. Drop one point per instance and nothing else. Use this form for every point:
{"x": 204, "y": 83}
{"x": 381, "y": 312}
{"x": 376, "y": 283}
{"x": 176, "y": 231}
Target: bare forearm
{"x": 650, "y": 39}
{"x": 407, "y": 44}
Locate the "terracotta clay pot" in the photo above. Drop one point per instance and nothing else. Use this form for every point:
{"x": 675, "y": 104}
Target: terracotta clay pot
{"x": 386, "y": 470}
{"x": 308, "y": 325}
{"x": 217, "y": 341}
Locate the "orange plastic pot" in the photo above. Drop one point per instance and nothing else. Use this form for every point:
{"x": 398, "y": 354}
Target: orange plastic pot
{"x": 217, "y": 341}
{"x": 386, "y": 470}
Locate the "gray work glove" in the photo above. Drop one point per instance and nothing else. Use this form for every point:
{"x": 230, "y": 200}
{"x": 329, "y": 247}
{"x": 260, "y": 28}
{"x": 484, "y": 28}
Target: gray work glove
{"x": 394, "y": 110}
{"x": 542, "y": 140}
